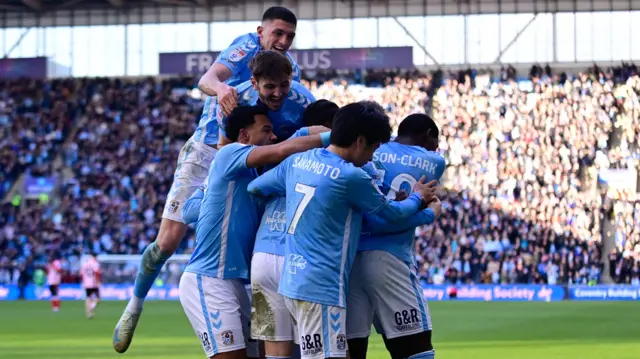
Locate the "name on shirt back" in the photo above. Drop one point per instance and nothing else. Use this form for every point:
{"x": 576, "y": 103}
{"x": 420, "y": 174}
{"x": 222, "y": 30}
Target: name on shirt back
{"x": 316, "y": 167}
{"x": 406, "y": 160}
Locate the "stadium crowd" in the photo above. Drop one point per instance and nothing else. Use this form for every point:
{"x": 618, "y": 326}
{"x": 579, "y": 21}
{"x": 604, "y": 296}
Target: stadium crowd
{"x": 521, "y": 202}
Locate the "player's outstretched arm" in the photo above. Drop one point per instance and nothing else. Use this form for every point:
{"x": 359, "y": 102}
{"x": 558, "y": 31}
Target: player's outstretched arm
{"x": 191, "y": 209}
{"x": 271, "y": 183}
{"x": 366, "y": 196}
{"x": 375, "y": 224}
{"x": 267, "y": 155}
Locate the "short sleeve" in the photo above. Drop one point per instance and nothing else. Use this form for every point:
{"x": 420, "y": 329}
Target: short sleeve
{"x": 232, "y": 158}
{"x": 237, "y": 56}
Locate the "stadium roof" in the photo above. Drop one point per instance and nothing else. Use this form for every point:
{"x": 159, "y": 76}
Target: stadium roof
{"x": 21, "y": 13}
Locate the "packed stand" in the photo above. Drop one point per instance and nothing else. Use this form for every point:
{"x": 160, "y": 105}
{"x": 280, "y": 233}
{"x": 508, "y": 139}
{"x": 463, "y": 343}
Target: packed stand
{"x": 520, "y": 159}
{"x": 623, "y": 156}
{"x": 520, "y": 205}
{"x": 35, "y": 118}
{"x": 123, "y": 157}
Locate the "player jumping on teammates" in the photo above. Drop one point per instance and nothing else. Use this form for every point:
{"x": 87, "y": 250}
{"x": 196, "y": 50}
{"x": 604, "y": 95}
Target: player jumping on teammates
{"x": 276, "y": 33}
{"x": 212, "y": 289}
{"x": 327, "y": 195}
{"x": 195, "y": 159}
{"x": 91, "y": 278}
{"x": 270, "y": 319}
{"x": 383, "y": 279}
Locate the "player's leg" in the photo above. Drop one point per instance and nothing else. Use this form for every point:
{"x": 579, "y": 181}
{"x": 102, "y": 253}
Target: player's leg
{"x": 401, "y": 311}
{"x": 360, "y": 313}
{"x": 93, "y": 298}
{"x": 55, "y": 300}
{"x": 214, "y": 310}
{"x": 193, "y": 166}
{"x": 253, "y": 346}
{"x": 87, "y": 303}
{"x": 270, "y": 319}
{"x": 321, "y": 329}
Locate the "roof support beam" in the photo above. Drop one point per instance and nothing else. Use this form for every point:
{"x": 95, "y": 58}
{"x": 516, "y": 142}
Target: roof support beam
{"x": 35, "y": 5}
{"x": 116, "y": 3}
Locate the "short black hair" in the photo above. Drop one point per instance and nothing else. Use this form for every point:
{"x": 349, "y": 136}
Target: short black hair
{"x": 242, "y": 117}
{"x": 280, "y": 13}
{"x": 364, "y": 118}
{"x": 418, "y": 124}
{"x": 319, "y": 113}
{"x": 270, "y": 64}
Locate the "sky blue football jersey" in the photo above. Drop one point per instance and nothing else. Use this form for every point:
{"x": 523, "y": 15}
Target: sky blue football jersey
{"x": 271, "y": 235}
{"x": 228, "y": 219}
{"x": 236, "y": 58}
{"x": 325, "y": 201}
{"x": 400, "y": 167}
{"x": 287, "y": 120}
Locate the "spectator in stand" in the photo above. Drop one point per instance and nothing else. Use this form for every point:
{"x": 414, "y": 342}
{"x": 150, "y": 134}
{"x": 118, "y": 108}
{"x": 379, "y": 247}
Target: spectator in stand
{"x": 521, "y": 201}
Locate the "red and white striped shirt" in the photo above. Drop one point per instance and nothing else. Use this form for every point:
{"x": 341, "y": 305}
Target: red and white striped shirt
{"x": 90, "y": 272}
{"x": 54, "y": 272}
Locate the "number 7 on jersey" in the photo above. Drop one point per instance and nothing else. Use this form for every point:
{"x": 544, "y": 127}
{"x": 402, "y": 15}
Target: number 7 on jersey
{"x": 308, "y": 193}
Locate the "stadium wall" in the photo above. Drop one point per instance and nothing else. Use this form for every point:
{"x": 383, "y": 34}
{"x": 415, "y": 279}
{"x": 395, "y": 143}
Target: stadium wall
{"x": 480, "y": 292}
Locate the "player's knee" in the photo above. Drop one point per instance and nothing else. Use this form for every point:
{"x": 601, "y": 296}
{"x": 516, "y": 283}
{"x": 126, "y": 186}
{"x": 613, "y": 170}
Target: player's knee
{"x": 277, "y": 349}
{"x": 358, "y": 348}
{"x": 409, "y": 345}
{"x": 170, "y": 235}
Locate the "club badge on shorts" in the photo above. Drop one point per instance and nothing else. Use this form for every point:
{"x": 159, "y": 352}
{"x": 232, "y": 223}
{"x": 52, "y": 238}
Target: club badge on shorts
{"x": 227, "y": 337}
{"x": 173, "y": 206}
{"x": 341, "y": 342}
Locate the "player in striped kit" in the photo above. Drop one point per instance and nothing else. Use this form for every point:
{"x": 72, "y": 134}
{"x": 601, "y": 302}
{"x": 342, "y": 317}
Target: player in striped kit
{"x": 54, "y": 277}
{"x": 91, "y": 278}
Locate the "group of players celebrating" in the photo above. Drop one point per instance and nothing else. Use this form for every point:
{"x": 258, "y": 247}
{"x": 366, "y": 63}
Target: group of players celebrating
{"x": 310, "y": 204}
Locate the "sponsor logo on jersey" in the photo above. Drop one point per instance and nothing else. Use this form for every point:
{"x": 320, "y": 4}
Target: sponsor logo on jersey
{"x": 296, "y": 262}
{"x": 227, "y": 337}
{"x": 276, "y": 221}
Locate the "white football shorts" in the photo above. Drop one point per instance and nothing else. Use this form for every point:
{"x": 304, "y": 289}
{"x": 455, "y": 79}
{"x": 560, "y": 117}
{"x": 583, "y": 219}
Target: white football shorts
{"x": 270, "y": 318}
{"x": 383, "y": 284}
{"x": 219, "y": 311}
{"x": 193, "y": 166}
{"x": 321, "y": 329}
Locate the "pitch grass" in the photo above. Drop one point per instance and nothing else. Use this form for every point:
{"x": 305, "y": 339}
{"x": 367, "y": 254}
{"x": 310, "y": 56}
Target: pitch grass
{"x": 584, "y": 330}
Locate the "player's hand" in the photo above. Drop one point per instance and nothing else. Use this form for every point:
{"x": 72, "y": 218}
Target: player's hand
{"x": 436, "y": 207}
{"x": 401, "y": 195}
{"x": 316, "y": 130}
{"x": 227, "y": 99}
{"x": 426, "y": 190}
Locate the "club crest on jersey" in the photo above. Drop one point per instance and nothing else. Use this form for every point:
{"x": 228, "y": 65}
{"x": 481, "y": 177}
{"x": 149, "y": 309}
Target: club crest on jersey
{"x": 173, "y": 206}
{"x": 341, "y": 342}
{"x": 237, "y": 54}
{"x": 227, "y": 337}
